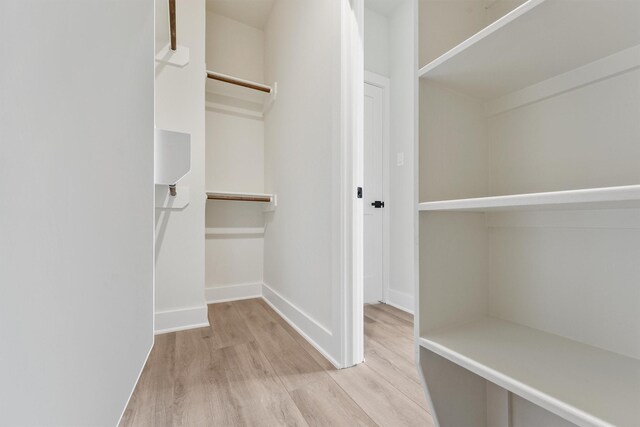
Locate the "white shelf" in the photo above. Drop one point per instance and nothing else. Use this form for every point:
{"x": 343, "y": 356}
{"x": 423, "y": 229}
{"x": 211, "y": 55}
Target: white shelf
{"x": 227, "y": 231}
{"x": 595, "y": 198}
{"x": 584, "y": 384}
{"x": 539, "y": 40}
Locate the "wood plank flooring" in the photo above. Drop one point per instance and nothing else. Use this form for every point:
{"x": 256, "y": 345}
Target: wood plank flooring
{"x": 251, "y": 368}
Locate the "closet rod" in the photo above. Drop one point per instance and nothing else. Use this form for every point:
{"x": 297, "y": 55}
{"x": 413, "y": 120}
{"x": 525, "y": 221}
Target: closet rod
{"x": 239, "y": 198}
{"x": 236, "y": 81}
{"x": 172, "y": 23}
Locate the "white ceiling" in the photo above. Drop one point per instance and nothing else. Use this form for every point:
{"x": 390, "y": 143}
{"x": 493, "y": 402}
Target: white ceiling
{"x": 383, "y": 7}
{"x": 251, "y": 12}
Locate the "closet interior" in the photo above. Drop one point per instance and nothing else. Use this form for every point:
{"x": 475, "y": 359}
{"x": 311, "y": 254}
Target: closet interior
{"x": 236, "y": 100}
{"x": 529, "y": 212}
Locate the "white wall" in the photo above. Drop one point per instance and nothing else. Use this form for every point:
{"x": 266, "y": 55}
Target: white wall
{"x": 180, "y": 94}
{"x": 234, "y": 158}
{"x": 233, "y": 259}
{"x": 76, "y": 209}
{"x": 498, "y": 8}
{"x": 401, "y": 206}
{"x": 376, "y": 43}
{"x": 302, "y": 153}
{"x": 607, "y": 106}
{"x": 235, "y": 136}
{"x": 234, "y": 48}
{"x": 445, "y": 24}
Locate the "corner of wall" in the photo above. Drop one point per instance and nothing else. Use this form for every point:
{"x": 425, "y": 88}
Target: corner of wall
{"x": 179, "y": 246}
{"x": 181, "y": 319}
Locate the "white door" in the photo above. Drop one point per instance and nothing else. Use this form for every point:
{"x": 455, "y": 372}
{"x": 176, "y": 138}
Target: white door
{"x": 373, "y": 193}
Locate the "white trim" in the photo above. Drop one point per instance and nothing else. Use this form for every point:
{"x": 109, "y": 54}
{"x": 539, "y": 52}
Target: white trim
{"x": 384, "y": 83}
{"x": 376, "y": 79}
{"x": 312, "y": 331}
{"x": 181, "y": 319}
{"x": 348, "y": 293}
{"x": 401, "y": 300}
{"x": 228, "y": 293}
{"x": 315, "y": 333}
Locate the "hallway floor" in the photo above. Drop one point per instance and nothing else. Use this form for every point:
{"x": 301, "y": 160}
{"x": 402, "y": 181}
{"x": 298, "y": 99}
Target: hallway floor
{"x": 252, "y": 369}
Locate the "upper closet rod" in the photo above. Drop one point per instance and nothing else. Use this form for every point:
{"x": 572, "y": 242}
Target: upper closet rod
{"x": 172, "y": 24}
{"x": 240, "y": 82}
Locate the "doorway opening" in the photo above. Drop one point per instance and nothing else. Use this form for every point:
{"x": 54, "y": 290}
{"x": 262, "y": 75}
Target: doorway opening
{"x": 376, "y": 187}
{"x": 388, "y": 154}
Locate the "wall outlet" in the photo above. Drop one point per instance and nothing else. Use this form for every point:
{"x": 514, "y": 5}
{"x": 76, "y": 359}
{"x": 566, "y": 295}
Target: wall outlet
{"x": 400, "y": 159}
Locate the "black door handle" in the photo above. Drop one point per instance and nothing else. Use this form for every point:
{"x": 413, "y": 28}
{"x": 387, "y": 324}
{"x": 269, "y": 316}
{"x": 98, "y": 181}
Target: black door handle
{"x": 378, "y": 204}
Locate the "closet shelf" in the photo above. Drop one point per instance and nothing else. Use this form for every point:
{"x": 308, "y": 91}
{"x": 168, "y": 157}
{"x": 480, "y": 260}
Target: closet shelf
{"x": 538, "y": 40}
{"x": 594, "y": 198}
{"x": 227, "y": 231}
{"x": 584, "y": 384}
{"x": 240, "y": 197}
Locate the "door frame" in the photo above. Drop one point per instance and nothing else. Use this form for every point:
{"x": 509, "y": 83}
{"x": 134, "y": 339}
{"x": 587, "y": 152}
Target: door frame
{"x": 350, "y": 285}
{"x": 384, "y": 83}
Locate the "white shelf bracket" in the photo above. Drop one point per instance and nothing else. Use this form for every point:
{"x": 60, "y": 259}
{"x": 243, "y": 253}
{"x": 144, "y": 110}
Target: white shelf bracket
{"x": 272, "y": 98}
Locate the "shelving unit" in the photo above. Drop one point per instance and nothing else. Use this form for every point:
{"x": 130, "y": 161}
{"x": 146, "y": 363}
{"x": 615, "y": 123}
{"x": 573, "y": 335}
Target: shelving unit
{"x": 240, "y": 90}
{"x": 489, "y": 64}
{"x": 529, "y": 214}
{"x": 583, "y": 384}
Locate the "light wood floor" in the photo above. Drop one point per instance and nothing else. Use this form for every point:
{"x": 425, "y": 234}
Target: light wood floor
{"x": 252, "y": 369}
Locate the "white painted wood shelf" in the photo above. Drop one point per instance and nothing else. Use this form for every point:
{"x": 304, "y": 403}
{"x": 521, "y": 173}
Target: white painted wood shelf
{"x": 238, "y": 231}
{"x": 593, "y": 198}
{"x": 539, "y": 40}
{"x": 586, "y": 385}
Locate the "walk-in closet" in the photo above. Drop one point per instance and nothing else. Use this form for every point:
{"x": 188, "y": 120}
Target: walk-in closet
{"x": 272, "y": 149}
{"x": 529, "y": 212}
{"x": 236, "y": 100}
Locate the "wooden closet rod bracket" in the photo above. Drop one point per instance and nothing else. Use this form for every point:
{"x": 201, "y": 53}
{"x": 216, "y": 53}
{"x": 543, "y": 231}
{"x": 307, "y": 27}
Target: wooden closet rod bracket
{"x": 239, "y": 82}
{"x": 172, "y": 23}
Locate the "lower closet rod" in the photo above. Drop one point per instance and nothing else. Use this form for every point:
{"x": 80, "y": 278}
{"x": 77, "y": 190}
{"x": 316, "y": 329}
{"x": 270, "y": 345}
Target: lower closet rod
{"x": 239, "y": 197}
{"x": 239, "y": 82}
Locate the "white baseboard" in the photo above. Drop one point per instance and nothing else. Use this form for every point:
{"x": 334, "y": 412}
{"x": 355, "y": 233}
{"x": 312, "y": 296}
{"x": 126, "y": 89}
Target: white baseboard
{"x": 233, "y": 292}
{"x": 316, "y": 334}
{"x": 401, "y": 300}
{"x": 196, "y": 317}
{"x": 181, "y": 319}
